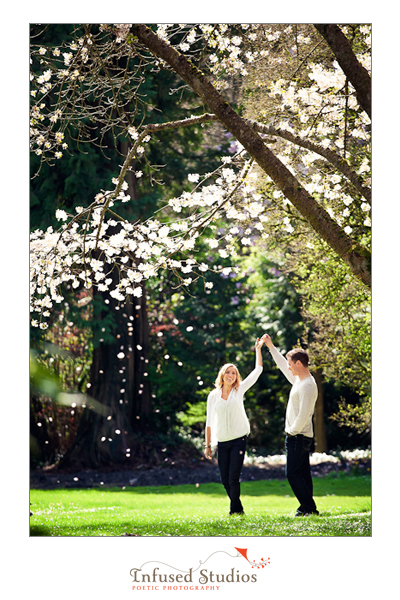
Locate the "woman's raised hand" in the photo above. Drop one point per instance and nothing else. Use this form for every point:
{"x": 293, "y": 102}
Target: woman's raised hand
{"x": 259, "y": 343}
{"x": 267, "y": 340}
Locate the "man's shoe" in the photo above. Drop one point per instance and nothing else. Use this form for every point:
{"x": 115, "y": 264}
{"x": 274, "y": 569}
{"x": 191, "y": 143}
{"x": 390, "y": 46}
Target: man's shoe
{"x": 301, "y": 513}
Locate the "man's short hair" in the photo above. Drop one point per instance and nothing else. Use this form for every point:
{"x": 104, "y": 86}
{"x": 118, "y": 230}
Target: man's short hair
{"x": 298, "y": 354}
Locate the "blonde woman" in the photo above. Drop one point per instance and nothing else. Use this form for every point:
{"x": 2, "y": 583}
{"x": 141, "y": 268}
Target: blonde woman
{"x": 227, "y": 425}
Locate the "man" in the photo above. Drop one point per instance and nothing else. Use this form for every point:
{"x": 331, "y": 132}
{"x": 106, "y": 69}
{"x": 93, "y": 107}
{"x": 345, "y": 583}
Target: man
{"x": 298, "y": 424}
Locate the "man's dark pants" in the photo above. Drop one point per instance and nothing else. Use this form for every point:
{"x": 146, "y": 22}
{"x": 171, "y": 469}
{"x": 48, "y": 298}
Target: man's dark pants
{"x": 230, "y": 461}
{"x": 298, "y": 470}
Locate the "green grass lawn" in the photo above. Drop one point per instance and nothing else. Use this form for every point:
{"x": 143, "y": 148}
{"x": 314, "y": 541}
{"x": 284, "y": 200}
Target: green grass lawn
{"x": 344, "y": 503}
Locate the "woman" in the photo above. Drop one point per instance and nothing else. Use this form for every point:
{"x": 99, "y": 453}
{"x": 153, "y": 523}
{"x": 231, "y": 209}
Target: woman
{"x": 227, "y": 424}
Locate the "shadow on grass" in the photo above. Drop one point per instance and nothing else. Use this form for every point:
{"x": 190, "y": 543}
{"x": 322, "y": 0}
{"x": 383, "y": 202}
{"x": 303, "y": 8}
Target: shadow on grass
{"x": 87, "y": 530}
{"x": 40, "y": 531}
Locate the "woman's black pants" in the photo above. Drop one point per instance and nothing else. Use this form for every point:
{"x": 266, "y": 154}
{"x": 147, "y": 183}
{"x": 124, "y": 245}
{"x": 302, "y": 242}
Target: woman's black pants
{"x": 230, "y": 463}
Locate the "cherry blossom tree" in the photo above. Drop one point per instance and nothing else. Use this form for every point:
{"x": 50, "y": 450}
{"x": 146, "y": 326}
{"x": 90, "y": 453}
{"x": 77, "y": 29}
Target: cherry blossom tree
{"x": 93, "y": 85}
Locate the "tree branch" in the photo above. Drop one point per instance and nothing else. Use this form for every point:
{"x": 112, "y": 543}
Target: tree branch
{"x": 356, "y": 257}
{"x": 336, "y": 160}
{"x": 357, "y": 74}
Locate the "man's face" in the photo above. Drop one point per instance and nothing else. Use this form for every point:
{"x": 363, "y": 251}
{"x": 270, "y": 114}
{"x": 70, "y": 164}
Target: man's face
{"x": 294, "y": 367}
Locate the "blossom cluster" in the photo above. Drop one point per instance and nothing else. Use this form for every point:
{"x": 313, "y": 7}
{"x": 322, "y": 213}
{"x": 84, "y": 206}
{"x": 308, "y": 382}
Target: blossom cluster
{"x": 50, "y": 69}
{"x": 89, "y": 244}
{"x": 315, "y": 105}
{"x": 65, "y": 78}
{"x": 227, "y": 45}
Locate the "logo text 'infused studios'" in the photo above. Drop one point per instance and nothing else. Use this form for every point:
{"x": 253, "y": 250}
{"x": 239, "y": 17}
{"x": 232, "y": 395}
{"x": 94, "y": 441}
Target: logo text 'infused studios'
{"x": 158, "y": 576}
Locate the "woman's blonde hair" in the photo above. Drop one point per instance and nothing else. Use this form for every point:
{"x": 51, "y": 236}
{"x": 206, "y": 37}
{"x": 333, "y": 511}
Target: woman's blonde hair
{"x": 219, "y": 382}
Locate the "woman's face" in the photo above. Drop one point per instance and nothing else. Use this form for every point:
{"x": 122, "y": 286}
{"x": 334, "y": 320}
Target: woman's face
{"x": 230, "y": 376}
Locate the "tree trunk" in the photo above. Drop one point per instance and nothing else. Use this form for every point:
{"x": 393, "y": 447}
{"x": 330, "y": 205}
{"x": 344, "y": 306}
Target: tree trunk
{"x": 138, "y": 363}
{"x": 319, "y": 422}
{"x": 106, "y": 432}
{"x": 140, "y": 400}
{"x": 358, "y": 259}
{"x": 357, "y": 74}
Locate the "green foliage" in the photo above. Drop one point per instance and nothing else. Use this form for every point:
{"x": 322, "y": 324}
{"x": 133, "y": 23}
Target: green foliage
{"x": 356, "y": 417}
{"x": 336, "y": 313}
{"x": 275, "y": 304}
{"x": 194, "y": 414}
{"x": 337, "y": 310}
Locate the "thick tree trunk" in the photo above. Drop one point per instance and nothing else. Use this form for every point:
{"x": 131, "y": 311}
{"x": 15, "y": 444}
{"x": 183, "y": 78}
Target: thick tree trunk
{"x": 356, "y": 257}
{"x": 106, "y": 432}
{"x": 319, "y": 422}
{"x": 139, "y": 395}
{"x": 119, "y": 384}
{"x": 356, "y": 73}
{"x": 140, "y": 404}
